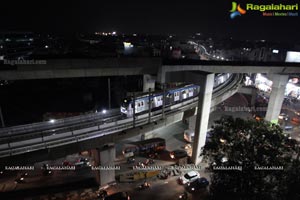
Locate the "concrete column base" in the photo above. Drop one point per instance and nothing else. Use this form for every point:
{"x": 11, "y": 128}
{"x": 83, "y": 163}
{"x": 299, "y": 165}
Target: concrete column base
{"x": 148, "y": 82}
{"x": 202, "y": 118}
{"x": 276, "y": 97}
{"x": 104, "y": 157}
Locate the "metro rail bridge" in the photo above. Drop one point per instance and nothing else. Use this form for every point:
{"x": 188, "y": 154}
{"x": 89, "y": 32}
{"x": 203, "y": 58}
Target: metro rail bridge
{"x": 93, "y": 130}
{"x": 26, "y": 139}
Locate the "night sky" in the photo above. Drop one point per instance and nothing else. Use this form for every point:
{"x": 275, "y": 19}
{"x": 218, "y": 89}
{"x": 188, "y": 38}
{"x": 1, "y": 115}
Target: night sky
{"x": 210, "y": 17}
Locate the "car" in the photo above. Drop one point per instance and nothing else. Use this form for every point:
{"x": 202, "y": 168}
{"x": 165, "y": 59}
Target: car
{"x": 189, "y": 177}
{"x": 178, "y": 154}
{"x": 153, "y": 155}
{"x": 188, "y": 135}
{"x": 66, "y": 163}
{"x": 283, "y": 116}
{"x": 288, "y": 128}
{"x": 46, "y": 171}
{"x": 149, "y": 162}
{"x": 198, "y": 184}
{"x": 118, "y": 196}
{"x": 130, "y": 160}
{"x": 102, "y": 194}
{"x": 21, "y": 179}
{"x": 296, "y": 120}
{"x": 82, "y": 162}
{"x": 297, "y": 113}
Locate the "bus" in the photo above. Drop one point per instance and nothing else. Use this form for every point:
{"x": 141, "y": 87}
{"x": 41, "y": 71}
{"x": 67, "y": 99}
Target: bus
{"x": 144, "y": 147}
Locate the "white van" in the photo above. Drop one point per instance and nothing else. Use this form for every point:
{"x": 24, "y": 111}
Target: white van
{"x": 189, "y": 135}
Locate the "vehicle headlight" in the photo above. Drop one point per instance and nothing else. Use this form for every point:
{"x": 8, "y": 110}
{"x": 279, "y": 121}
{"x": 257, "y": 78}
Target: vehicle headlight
{"x": 193, "y": 189}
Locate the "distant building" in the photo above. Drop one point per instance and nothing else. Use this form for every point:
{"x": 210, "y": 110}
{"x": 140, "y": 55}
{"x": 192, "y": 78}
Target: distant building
{"x": 16, "y": 45}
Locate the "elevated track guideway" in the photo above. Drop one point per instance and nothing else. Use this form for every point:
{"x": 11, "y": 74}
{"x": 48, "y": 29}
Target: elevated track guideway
{"x": 28, "y": 138}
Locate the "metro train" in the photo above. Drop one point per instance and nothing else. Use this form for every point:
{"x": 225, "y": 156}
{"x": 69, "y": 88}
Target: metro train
{"x": 221, "y": 78}
{"x": 173, "y": 96}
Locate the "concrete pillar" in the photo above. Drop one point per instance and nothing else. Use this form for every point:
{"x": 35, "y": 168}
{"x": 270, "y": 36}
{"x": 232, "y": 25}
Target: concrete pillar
{"x": 104, "y": 157}
{"x": 192, "y": 122}
{"x": 148, "y": 82}
{"x": 203, "y": 111}
{"x": 276, "y": 97}
{"x": 161, "y": 75}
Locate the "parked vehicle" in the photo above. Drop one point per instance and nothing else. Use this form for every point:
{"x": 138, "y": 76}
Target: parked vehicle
{"x": 82, "y": 162}
{"x": 189, "y": 177}
{"x": 189, "y": 135}
{"x": 102, "y": 194}
{"x": 130, "y": 160}
{"x": 20, "y": 180}
{"x": 283, "y": 116}
{"x": 145, "y": 185}
{"x": 198, "y": 184}
{"x": 152, "y": 145}
{"x": 176, "y": 154}
{"x": 183, "y": 196}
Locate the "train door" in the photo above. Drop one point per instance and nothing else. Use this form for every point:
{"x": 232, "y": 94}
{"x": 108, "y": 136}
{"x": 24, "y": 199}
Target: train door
{"x": 176, "y": 96}
{"x": 158, "y": 101}
{"x": 191, "y": 92}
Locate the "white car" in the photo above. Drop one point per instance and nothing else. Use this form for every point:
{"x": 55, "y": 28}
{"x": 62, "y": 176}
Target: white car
{"x": 189, "y": 177}
{"x": 283, "y": 116}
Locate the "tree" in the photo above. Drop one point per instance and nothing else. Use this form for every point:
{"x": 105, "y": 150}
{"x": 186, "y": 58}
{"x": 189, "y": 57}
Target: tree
{"x": 251, "y": 160}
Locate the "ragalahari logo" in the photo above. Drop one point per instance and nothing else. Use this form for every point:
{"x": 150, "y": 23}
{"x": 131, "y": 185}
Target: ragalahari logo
{"x": 236, "y": 10}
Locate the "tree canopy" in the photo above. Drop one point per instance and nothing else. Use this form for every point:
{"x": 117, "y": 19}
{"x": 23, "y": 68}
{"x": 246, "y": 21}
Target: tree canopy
{"x": 252, "y": 160}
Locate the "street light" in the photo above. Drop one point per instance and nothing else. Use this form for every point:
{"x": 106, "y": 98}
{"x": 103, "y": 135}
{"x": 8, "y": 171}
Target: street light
{"x": 104, "y": 111}
{"x": 52, "y": 121}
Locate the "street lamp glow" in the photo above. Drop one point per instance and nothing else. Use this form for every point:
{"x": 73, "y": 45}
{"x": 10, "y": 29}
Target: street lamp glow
{"x": 104, "y": 111}
{"x": 52, "y": 121}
